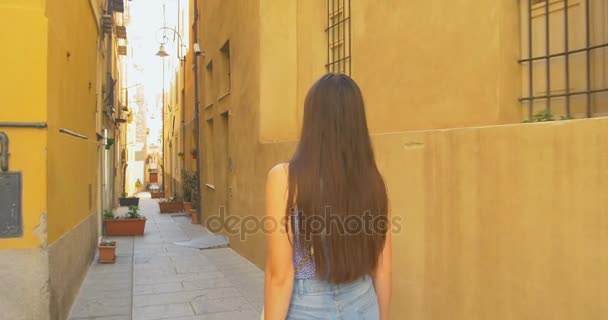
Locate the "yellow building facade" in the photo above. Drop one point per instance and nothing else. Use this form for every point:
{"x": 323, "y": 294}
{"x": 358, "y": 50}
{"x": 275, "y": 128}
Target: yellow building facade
{"x": 181, "y": 151}
{"x": 53, "y": 94}
{"x": 500, "y": 220}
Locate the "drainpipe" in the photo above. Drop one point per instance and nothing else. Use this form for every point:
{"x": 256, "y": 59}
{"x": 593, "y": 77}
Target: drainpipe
{"x": 196, "y": 117}
{"x": 109, "y": 88}
{"x": 4, "y": 144}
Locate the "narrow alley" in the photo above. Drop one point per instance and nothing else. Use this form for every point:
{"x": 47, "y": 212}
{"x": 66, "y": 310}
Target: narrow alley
{"x": 474, "y": 132}
{"x": 153, "y": 278}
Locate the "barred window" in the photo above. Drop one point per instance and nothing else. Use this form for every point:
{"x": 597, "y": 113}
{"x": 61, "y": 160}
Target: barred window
{"x": 565, "y": 57}
{"x": 338, "y": 36}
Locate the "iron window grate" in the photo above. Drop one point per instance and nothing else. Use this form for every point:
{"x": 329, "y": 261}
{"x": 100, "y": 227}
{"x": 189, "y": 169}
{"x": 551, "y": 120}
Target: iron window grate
{"x": 338, "y": 36}
{"x": 561, "y": 94}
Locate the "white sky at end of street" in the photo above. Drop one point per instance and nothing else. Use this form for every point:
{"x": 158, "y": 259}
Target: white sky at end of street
{"x": 144, "y": 67}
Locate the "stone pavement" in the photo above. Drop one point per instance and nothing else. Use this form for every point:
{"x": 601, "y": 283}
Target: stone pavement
{"x": 156, "y": 279}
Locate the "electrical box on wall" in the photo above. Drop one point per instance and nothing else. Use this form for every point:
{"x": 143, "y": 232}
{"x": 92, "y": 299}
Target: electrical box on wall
{"x": 11, "y": 224}
{"x": 11, "y": 221}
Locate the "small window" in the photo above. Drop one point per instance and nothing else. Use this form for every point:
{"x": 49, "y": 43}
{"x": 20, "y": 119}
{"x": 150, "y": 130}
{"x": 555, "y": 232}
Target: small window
{"x": 209, "y": 83}
{"x": 225, "y": 51}
{"x": 209, "y": 152}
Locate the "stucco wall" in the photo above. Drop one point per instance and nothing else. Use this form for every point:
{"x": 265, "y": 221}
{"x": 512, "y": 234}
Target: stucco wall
{"x": 72, "y": 162}
{"x": 421, "y": 65}
{"x": 23, "y": 98}
{"x": 502, "y": 222}
{"x": 69, "y": 259}
{"x": 24, "y": 284}
{"x": 50, "y": 76}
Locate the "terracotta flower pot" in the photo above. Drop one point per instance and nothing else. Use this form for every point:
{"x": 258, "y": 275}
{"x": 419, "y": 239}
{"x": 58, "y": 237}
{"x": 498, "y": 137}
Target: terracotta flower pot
{"x": 187, "y": 206}
{"x": 125, "y": 227}
{"x": 194, "y": 216}
{"x": 158, "y": 195}
{"x": 107, "y": 252}
{"x": 171, "y": 207}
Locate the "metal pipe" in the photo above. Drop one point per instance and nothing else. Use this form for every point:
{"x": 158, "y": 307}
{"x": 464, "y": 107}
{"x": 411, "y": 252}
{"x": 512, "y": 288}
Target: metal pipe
{"x": 328, "y": 36}
{"x": 530, "y": 65}
{"x": 598, "y": 46}
{"x": 39, "y": 125}
{"x": 567, "y": 57}
{"x": 199, "y": 199}
{"x": 564, "y": 94}
{"x": 349, "y": 40}
{"x": 587, "y": 43}
{"x": 548, "y": 59}
{"x": 343, "y": 49}
{"x": 4, "y": 144}
{"x": 73, "y": 134}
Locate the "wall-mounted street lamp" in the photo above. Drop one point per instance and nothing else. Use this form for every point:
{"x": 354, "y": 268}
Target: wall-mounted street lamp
{"x": 162, "y": 52}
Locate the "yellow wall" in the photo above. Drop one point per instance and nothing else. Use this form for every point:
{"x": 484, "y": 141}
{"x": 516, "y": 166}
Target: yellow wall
{"x": 174, "y": 134}
{"x": 440, "y": 71}
{"x": 23, "y": 96}
{"x": 72, "y": 162}
{"x": 500, "y": 222}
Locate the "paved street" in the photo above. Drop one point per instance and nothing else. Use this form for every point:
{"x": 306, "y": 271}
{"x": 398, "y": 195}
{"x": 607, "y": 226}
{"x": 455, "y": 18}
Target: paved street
{"x": 156, "y": 279}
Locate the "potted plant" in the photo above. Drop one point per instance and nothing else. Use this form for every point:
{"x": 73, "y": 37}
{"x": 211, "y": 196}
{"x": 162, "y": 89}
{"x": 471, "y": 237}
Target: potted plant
{"x": 180, "y": 154}
{"x": 138, "y": 184}
{"x": 132, "y": 224}
{"x": 107, "y": 251}
{"x": 194, "y": 153}
{"x": 189, "y": 188}
{"x": 109, "y": 143}
{"x": 174, "y": 204}
{"x": 126, "y": 201}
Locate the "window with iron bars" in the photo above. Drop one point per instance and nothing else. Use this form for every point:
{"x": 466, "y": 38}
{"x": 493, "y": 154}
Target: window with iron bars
{"x": 565, "y": 57}
{"x": 338, "y": 36}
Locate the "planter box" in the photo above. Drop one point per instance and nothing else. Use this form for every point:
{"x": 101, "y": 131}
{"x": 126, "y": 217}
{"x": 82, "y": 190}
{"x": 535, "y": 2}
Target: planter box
{"x": 107, "y": 253}
{"x": 127, "y": 202}
{"x": 171, "y": 207}
{"x": 194, "y": 216}
{"x": 157, "y": 195}
{"x": 125, "y": 227}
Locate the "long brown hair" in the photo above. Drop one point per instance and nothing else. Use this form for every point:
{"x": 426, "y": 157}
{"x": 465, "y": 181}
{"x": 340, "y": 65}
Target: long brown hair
{"x": 333, "y": 175}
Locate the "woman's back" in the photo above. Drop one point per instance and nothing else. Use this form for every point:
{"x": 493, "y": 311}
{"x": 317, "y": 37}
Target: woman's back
{"x": 334, "y": 205}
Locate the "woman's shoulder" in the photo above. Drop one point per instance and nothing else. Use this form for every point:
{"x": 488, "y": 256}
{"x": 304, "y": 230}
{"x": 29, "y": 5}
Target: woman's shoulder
{"x": 280, "y": 170}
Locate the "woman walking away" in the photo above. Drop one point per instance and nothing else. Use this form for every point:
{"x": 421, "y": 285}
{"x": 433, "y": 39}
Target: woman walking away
{"x": 331, "y": 256}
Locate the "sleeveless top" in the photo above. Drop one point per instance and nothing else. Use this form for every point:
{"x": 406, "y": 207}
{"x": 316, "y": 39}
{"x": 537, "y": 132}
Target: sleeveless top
{"x": 303, "y": 262}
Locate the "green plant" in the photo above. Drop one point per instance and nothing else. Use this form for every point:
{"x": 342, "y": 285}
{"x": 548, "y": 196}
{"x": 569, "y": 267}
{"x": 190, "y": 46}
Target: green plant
{"x": 541, "y": 116}
{"x": 138, "y": 184}
{"x": 108, "y": 215}
{"x": 176, "y": 198}
{"x": 190, "y": 185}
{"x": 545, "y": 116}
{"x": 194, "y": 152}
{"x": 109, "y": 143}
{"x": 133, "y": 213}
{"x": 108, "y": 243}
{"x": 180, "y": 154}
{"x": 125, "y": 195}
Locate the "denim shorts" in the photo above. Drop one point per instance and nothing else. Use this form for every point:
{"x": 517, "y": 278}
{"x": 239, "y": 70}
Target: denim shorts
{"x": 314, "y": 299}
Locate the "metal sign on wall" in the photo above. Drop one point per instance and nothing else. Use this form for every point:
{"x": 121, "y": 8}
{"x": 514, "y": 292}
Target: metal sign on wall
{"x": 11, "y": 224}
